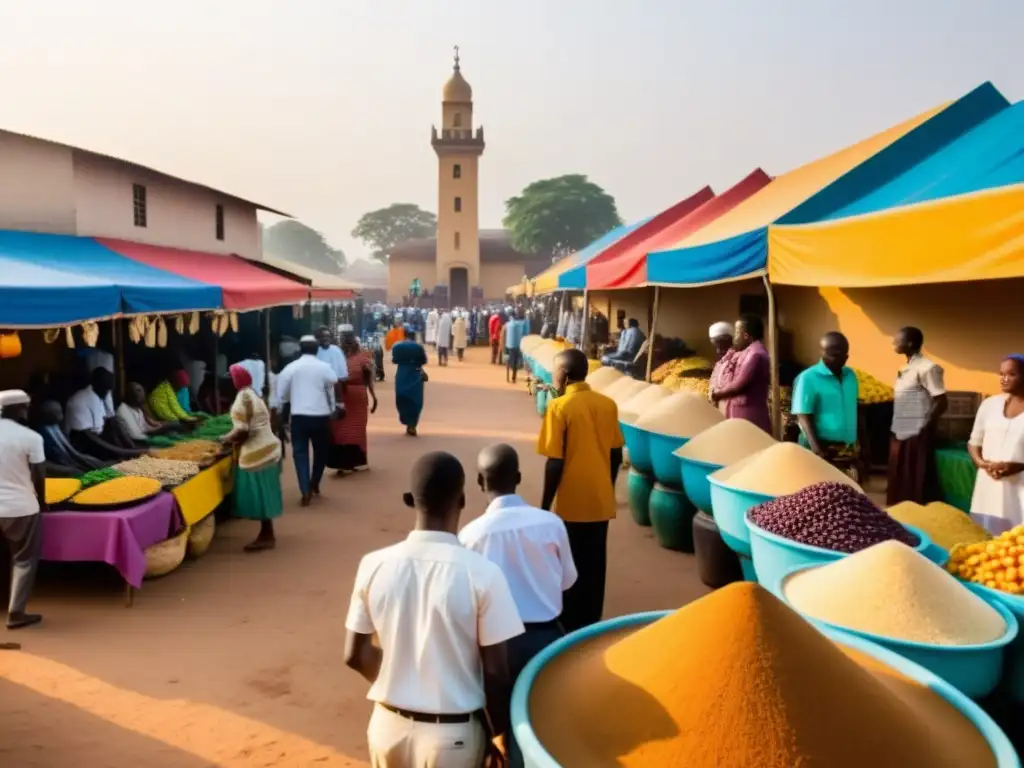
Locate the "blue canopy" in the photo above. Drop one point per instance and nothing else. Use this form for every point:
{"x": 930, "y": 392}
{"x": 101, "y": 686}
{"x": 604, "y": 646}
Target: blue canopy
{"x": 736, "y": 245}
{"x": 52, "y": 280}
{"x": 575, "y": 279}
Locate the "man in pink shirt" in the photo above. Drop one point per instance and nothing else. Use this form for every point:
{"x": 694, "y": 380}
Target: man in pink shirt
{"x": 745, "y": 392}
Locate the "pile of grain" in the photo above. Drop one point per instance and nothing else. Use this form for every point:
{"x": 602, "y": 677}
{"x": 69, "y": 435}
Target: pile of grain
{"x": 726, "y": 443}
{"x": 780, "y": 469}
{"x": 738, "y": 678}
{"x": 602, "y": 378}
{"x": 624, "y": 389}
{"x": 529, "y": 342}
{"x": 830, "y": 516}
{"x": 945, "y": 525}
{"x": 683, "y": 414}
{"x": 891, "y": 590}
{"x": 642, "y": 402}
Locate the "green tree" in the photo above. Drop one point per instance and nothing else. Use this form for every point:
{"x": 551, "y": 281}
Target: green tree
{"x": 559, "y": 215}
{"x": 294, "y": 241}
{"x": 383, "y": 229}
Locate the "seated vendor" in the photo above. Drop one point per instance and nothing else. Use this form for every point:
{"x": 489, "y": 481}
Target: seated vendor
{"x": 164, "y": 401}
{"x": 825, "y": 403}
{"x": 137, "y": 424}
{"x": 89, "y": 429}
{"x": 630, "y": 341}
{"x": 62, "y": 459}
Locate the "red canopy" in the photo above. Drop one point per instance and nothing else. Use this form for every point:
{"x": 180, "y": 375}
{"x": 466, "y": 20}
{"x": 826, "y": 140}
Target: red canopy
{"x": 624, "y": 264}
{"x": 244, "y": 286}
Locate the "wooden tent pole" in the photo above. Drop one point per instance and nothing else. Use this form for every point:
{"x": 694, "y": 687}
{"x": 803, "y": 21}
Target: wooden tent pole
{"x": 650, "y": 336}
{"x": 773, "y": 355}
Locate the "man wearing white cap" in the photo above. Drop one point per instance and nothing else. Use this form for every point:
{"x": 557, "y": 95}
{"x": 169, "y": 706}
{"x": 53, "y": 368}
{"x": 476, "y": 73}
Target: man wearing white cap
{"x": 720, "y": 335}
{"x": 22, "y": 498}
{"x": 305, "y": 389}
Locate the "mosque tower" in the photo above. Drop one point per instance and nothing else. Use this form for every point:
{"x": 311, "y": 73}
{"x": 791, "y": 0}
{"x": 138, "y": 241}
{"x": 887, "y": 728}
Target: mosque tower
{"x": 458, "y": 147}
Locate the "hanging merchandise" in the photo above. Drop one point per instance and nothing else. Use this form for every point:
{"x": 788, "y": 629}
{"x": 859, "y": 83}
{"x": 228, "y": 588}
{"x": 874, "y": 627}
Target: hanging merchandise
{"x": 193, "y": 325}
{"x": 50, "y": 335}
{"x": 91, "y": 333}
{"x": 69, "y": 337}
{"x": 10, "y": 345}
{"x": 179, "y": 325}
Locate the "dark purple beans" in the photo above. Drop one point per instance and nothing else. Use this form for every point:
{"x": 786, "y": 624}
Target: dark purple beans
{"x": 831, "y": 516}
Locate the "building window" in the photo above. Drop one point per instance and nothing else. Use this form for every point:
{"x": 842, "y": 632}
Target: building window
{"x": 220, "y": 222}
{"x": 458, "y": 205}
{"x": 456, "y": 171}
{"x": 457, "y": 120}
{"x": 458, "y": 240}
{"x": 139, "y": 204}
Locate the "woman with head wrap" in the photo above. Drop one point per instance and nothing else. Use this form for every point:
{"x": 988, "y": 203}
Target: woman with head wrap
{"x": 349, "y": 449}
{"x": 258, "y": 479}
{"x": 997, "y": 450}
{"x": 180, "y": 382}
{"x": 410, "y": 358}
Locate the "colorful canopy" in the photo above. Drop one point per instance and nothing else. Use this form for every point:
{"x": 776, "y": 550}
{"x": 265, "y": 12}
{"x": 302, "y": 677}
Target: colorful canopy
{"x": 321, "y": 285}
{"x": 243, "y": 285}
{"x": 576, "y": 278}
{"x": 735, "y": 245}
{"x": 958, "y": 215}
{"x": 52, "y": 280}
{"x": 626, "y": 266}
{"x": 547, "y": 281}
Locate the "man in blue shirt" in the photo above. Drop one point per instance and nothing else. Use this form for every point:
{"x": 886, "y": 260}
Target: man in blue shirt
{"x": 517, "y": 328}
{"x": 630, "y": 341}
{"x": 825, "y": 402}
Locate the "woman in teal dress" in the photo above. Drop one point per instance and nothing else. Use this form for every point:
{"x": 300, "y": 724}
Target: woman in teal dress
{"x": 410, "y": 358}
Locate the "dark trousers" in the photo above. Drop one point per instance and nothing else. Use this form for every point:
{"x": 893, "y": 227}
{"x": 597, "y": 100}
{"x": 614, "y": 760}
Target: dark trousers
{"x": 584, "y": 600}
{"x": 307, "y": 430}
{"x": 24, "y": 537}
{"x": 521, "y": 650}
{"x": 442, "y": 355}
{"x": 494, "y": 351}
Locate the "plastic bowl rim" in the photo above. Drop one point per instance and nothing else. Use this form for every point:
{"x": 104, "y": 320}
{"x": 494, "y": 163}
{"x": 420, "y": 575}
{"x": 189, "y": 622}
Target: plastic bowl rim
{"x": 1012, "y": 625}
{"x": 727, "y": 487}
{"x": 924, "y": 542}
{"x": 1003, "y": 751}
{"x": 1004, "y": 598}
{"x": 697, "y": 462}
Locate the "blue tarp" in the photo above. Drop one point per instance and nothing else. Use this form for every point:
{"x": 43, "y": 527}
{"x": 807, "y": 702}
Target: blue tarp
{"x": 746, "y": 253}
{"x": 575, "y": 279}
{"x": 51, "y": 280}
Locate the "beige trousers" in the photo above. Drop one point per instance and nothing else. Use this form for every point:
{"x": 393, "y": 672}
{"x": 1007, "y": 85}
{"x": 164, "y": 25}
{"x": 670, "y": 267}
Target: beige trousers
{"x": 397, "y": 742}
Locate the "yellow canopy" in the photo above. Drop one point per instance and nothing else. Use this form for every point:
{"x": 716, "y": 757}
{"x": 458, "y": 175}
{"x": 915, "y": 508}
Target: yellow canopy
{"x": 976, "y": 236}
{"x": 787, "y": 191}
{"x": 547, "y": 281}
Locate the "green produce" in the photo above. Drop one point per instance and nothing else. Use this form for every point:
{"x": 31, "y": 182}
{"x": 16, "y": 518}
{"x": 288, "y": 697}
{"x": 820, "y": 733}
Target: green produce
{"x": 97, "y": 476}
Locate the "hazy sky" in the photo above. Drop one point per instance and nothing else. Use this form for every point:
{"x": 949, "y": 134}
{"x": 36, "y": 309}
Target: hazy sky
{"x": 323, "y": 108}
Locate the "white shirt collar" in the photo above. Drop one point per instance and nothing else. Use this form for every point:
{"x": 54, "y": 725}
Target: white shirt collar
{"x": 434, "y": 537}
{"x": 505, "y": 502}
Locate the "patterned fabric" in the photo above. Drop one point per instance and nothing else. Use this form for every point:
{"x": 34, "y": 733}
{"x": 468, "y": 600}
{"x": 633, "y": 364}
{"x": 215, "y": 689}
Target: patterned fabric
{"x": 261, "y": 447}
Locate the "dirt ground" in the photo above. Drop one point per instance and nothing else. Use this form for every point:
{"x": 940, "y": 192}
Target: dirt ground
{"x": 235, "y": 659}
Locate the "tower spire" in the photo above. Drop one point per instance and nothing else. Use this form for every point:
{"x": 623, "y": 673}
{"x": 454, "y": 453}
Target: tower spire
{"x": 456, "y": 67}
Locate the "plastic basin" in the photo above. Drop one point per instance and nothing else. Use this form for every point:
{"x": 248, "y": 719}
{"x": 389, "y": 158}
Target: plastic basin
{"x": 1014, "y": 679}
{"x": 638, "y": 492}
{"x": 774, "y": 556}
{"x": 974, "y": 670}
{"x": 535, "y": 756}
{"x": 729, "y": 507}
{"x": 542, "y": 401}
{"x": 663, "y": 460}
{"x": 639, "y": 446}
{"x": 694, "y": 475}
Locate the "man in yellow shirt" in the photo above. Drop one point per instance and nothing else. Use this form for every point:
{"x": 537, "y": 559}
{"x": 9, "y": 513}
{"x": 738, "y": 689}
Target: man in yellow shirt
{"x": 582, "y": 441}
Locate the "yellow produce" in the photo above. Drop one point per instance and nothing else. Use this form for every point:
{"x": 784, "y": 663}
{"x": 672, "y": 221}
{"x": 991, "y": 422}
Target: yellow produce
{"x": 193, "y": 450}
{"x": 120, "y": 490}
{"x": 61, "y": 489}
{"x": 945, "y": 525}
{"x": 997, "y": 563}
{"x": 695, "y": 384}
{"x": 680, "y": 366}
{"x": 870, "y": 390}
{"x": 164, "y": 404}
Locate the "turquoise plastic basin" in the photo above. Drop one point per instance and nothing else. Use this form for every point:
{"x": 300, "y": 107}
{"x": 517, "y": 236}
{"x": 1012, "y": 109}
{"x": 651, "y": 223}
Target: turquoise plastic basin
{"x": 729, "y": 507}
{"x": 974, "y": 670}
{"x": 694, "y": 475}
{"x": 663, "y": 460}
{"x": 1014, "y": 680}
{"x": 638, "y": 444}
{"x": 774, "y": 556}
{"x": 535, "y": 756}
{"x": 542, "y": 397}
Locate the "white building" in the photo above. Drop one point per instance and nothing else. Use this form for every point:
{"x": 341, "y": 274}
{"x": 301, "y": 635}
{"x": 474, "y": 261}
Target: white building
{"x": 50, "y": 187}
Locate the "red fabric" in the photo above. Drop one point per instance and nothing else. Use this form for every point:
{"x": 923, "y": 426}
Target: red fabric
{"x": 494, "y": 327}
{"x": 330, "y": 294}
{"x": 352, "y": 429}
{"x": 240, "y": 376}
{"x": 624, "y": 264}
{"x": 244, "y": 286}
{"x": 179, "y": 380}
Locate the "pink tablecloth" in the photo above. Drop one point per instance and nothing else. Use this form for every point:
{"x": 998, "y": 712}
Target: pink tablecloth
{"x": 117, "y": 538}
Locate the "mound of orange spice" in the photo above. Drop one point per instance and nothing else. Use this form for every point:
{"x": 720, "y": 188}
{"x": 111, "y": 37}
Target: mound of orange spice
{"x": 738, "y": 679}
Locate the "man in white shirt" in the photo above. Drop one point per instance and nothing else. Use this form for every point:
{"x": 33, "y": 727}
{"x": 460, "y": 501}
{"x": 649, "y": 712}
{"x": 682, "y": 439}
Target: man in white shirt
{"x": 86, "y": 417}
{"x": 331, "y": 353}
{"x": 22, "y": 498}
{"x": 442, "y": 615}
{"x": 132, "y": 417}
{"x": 99, "y": 358}
{"x": 305, "y": 389}
{"x": 531, "y": 547}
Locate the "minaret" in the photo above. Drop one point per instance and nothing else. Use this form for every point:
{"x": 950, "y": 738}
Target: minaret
{"x": 458, "y": 149}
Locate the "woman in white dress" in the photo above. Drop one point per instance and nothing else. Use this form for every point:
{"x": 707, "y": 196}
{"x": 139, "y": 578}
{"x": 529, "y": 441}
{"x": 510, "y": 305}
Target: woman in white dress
{"x": 431, "y": 332}
{"x": 997, "y": 450}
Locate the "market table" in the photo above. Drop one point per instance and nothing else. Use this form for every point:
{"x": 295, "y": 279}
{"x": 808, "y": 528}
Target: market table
{"x": 118, "y": 538}
{"x": 957, "y": 475}
{"x": 199, "y": 496}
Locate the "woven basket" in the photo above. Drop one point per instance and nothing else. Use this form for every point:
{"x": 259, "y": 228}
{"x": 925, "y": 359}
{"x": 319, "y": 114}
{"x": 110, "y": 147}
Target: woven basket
{"x": 201, "y": 536}
{"x": 164, "y": 557}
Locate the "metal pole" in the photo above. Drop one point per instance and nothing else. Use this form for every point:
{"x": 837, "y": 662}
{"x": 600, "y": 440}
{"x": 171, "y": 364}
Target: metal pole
{"x": 584, "y": 333}
{"x": 773, "y": 356}
{"x": 650, "y": 336}
{"x": 266, "y": 331}
{"x": 117, "y": 330}
{"x": 216, "y": 374}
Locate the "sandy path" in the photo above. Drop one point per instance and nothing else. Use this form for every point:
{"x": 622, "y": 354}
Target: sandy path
{"x": 235, "y": 660}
